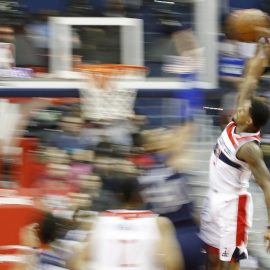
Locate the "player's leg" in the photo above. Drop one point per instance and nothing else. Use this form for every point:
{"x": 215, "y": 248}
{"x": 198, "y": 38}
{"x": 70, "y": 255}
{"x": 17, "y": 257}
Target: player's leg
{"x": 213, "y": 262}
{"x": 234, "y": 266}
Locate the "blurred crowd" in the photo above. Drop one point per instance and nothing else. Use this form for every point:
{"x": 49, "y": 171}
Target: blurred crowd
{"x": 60, "y": 169}
{"x": 72, "y": 168}
{"x": 96, "y": 44}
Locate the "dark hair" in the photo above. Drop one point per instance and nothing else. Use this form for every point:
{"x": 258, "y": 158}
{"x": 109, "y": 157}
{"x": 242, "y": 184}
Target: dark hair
{"x": 52, "y": 227}
{"x": 48, "y": 229}
{"x": 259, "y": 112}
{"x": 128, "y": 189}
{"x": 137, "y": 139}
{"x": 104, "y": 149}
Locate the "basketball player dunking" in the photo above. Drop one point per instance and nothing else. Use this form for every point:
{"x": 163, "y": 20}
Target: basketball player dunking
{"x": 133, "y": 239}
{"x": 237, "y": 154}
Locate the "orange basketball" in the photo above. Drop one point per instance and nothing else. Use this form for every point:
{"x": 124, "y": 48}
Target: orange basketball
{"x": 242, "y": 25}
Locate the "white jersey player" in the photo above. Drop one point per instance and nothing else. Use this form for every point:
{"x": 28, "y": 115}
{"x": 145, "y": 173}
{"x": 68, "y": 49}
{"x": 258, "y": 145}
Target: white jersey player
{"x": 133, "y": 239}
{"x": 227, "y": 212}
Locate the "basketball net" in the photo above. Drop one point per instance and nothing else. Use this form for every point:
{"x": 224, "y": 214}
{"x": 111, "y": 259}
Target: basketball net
{"x": 105, "y": 98}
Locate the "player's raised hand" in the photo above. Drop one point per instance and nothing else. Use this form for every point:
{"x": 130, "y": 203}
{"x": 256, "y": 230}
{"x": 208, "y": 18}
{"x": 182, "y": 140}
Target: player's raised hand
{"x": 263, "y": 49}
{"x": 263, "y": 32}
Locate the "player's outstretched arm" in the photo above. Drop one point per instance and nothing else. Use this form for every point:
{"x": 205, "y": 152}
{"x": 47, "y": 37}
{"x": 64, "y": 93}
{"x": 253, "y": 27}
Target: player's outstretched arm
{"x": 253, "y": 71}
{"x": 252, "y": 154}
{"x": 169, "y": 254}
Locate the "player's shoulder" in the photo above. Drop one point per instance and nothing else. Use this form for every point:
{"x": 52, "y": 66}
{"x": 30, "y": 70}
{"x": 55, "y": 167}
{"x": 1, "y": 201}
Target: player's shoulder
{"x": 250, "y": 152}
{"x": 251, "y": 147}
{"x": 164, "y": 224}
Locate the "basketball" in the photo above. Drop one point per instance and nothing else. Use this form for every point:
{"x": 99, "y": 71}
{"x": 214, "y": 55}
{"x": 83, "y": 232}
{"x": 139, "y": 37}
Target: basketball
{"x": 242, "y": 25}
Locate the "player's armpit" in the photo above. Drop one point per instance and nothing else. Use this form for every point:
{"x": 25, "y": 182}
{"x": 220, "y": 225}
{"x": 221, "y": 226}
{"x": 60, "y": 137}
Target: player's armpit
{"x": 169, "y": 254}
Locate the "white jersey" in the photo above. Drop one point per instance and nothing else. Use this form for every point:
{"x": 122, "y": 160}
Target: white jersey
{"x": 227, "y": 173}
{"x": 227, "y": 213}
{"x": 125, "y": 239}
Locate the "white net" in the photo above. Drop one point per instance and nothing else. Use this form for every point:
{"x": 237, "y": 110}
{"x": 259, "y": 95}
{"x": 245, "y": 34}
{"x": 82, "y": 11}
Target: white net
{"x": 106, "y": 98}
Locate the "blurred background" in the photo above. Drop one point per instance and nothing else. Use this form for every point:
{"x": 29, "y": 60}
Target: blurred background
{"x": 72, "y": 129}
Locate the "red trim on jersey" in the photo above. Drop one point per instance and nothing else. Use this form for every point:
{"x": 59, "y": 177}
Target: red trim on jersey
{"x": 236, "y": 138}
{"x": 128, "y": 214}
{"x": 211, "y": 250}
{"x": 241, "y": 220}
{"x": 249, "y": 138}
{"x": 255, "y": 136}
{"x": 229, "y": 130}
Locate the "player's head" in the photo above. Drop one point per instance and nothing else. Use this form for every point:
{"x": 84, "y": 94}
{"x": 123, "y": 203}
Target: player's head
{"x": 48, "y": 229}
{"x": 259, "y": 112}
{"x": 52, "y": 227}
{"x": 128, "y": 189}
{"x": 254, "y": 114}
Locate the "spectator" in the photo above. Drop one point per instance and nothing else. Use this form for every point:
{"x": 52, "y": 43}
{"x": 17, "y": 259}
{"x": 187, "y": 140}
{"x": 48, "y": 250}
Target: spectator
{"x": 39, "y": 34}
{"x": 26, "y": 53}
{"x": 115, "y": 8}
{"x": 69, "y": 137}
{"x": 167, "y": 34}
{"x": 41, "y": 235}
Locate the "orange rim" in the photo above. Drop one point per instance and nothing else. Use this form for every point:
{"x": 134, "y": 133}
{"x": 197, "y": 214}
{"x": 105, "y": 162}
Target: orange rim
{"x": 101, "y": 73}
{"x": 111, "y": 69}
